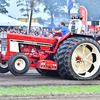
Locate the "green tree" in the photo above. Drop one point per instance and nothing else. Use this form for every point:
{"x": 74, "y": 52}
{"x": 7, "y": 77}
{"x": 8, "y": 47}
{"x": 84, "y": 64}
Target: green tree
{"x": 3, "y": 5}
{"x": 92, "y": 6}
{"x": 25, "y": 6}
{"x": 54, "y": 7}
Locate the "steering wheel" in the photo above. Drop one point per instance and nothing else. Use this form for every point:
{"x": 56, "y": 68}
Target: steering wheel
{"x": 55, "y": 34}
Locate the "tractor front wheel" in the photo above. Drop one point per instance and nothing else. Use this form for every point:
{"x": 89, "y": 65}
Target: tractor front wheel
{"x": 18, "y": 64}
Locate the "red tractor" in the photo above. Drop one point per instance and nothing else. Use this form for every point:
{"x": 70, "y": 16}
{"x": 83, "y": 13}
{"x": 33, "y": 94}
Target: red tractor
{"x": 75, "y": 56}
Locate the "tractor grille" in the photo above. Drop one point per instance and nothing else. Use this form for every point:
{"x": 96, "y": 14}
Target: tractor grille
{"x": 4, "y": 44}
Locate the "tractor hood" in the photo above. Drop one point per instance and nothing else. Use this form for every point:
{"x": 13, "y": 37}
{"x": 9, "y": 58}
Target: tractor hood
{"x": 27, "y": 39}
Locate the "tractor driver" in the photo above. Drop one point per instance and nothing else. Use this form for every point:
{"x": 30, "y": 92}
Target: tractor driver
{"x": 63, "y": 30}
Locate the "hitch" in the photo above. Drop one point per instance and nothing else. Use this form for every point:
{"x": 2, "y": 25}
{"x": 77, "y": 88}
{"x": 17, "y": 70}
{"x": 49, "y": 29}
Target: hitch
{"x": 47, "y": 64}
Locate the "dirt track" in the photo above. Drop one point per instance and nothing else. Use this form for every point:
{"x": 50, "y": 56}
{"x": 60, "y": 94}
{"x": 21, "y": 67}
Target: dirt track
{"x": 52, "y": 97}
{"x": 33, "y": 78}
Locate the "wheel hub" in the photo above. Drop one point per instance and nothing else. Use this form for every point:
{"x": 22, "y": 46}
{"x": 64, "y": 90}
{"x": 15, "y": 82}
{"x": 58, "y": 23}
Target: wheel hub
{"x": 18, "y": 64}
{"x": 78, "y": 59}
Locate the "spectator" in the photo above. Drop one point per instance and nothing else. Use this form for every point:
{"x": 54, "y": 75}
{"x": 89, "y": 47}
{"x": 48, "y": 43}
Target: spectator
{"x": 8, "y": 30}
{"x": 19, "y": 31}
{"x": 51, "y": 34}
{"x": 98, "y": 37}
{"x": 11, "y": 30}
{"x": 37, "y": 32}
{"x": 53, "y": 29}
{"x": 93, "y": 35}
{"x": 44, "y": 32}
{"x": 41, "y": 34}
{"x": 22, "y": 32}
{"x": 98, "y": 33}
{"x": 75, "y": 31}
{"x": 25, "y": 31}
{"x": 32, "y": 32}
{"x": 88, "y": 33}
{"x": 14, "y": 31}
{"x": 2, "y": 29}
{"x": 47, "y": 30}
{"x": 82, "y": 32}
{"x": 47, "y": 34}
{"x": 5, "y": 30}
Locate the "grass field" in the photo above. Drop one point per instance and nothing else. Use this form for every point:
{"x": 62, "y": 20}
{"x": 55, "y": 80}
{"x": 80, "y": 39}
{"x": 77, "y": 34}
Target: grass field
{"x": 49, "y": 90}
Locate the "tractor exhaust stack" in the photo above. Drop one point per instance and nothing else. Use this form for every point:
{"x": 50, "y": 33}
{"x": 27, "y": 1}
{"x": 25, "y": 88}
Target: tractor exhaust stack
{"x": 30, "y": 18}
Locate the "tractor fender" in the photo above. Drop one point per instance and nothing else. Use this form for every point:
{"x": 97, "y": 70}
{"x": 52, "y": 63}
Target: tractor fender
{"x": 67, "y": 36}
{"x": 82, "y": 35}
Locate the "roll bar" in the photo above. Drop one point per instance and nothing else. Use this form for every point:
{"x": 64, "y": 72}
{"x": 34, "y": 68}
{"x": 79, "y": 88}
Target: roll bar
{"x": 80, "y": 25}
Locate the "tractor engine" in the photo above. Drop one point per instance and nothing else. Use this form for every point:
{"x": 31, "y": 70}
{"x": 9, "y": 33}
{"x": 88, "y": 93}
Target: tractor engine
{"x": 29, "y": 49}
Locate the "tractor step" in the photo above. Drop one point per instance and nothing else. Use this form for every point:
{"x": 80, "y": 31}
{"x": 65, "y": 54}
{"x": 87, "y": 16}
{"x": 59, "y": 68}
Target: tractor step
{"x": 47, "y": 64}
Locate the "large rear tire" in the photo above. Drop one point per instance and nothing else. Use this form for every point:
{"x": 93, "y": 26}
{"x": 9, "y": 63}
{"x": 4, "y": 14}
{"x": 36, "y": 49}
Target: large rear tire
{"x": 69, "y": 61}
{"x": 82, "y": 59}
{"x": 59, "y": 58}
{"x": 18, "y": 64}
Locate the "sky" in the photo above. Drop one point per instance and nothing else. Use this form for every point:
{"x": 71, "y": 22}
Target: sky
{"x": 14, "y": 11}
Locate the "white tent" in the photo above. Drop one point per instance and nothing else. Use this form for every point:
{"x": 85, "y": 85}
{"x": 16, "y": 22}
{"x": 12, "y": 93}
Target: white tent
{"x": 7, "y": 21}
{"x": 36, "y": 25}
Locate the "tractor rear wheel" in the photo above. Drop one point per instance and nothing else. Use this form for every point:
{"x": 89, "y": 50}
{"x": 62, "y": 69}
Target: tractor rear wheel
{"x": 18, "y": 64}
{"x": 59, "y": 58}
{"x": 81, "y": 58}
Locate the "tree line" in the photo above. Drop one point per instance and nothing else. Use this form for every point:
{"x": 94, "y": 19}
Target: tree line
{"x": 54, "y": 7}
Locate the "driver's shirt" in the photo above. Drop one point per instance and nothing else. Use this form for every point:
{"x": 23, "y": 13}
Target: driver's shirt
{"x": 64, "y": 30}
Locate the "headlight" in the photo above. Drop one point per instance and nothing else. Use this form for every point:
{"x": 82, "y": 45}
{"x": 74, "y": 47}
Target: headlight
{"x": 3, "y": 35}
